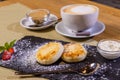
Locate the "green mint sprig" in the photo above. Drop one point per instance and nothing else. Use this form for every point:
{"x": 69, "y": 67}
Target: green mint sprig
{"x": 7, "y": 46}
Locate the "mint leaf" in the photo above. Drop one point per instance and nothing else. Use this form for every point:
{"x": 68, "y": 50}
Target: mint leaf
{"x": 2, "y": 48}
{"x": 6, "y": 45}
{"x": 12, "y": 43}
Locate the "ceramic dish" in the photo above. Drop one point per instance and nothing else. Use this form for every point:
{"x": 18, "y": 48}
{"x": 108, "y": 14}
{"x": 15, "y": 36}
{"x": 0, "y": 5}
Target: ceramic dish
{"x": 94, "y": 31}
{"x": 25, "y": 23}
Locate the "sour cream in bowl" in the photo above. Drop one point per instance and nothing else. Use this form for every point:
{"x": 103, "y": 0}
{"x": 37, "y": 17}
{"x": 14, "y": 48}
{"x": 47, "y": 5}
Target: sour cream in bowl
{"x": 109, "y": 49}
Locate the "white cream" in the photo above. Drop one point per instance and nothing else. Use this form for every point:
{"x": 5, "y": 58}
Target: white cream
{"x": 110, "y": 45}
{"x": 109, "y": 49}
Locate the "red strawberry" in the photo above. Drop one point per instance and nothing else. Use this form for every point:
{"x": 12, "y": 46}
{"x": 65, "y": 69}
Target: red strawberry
{"x": 11, "y": 50}
{"x": 6, "y": 55}
{"x": 8, "y": 50}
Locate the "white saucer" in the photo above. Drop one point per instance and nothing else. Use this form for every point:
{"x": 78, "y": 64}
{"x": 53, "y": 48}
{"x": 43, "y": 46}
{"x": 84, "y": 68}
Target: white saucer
{"x": 24, "y": 22}
{"x": 95, "y": 30}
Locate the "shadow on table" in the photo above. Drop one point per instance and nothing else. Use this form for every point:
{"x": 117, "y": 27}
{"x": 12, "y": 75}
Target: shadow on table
{"x": 17, "y": 28}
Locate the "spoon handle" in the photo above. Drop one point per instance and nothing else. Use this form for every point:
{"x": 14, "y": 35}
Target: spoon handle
{"x": 86, "y": 70}
{"x": 46, "y": 23}
{"x": 46, "y": 72}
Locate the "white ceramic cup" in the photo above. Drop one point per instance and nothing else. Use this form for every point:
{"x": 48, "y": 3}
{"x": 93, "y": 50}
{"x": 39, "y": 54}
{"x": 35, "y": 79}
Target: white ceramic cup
{"x": 78, "y": 17}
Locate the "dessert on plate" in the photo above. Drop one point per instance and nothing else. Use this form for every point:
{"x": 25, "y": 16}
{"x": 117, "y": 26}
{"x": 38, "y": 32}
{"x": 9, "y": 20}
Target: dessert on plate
{"x": 74, "y": 52}
{"x": 49, "y": 53}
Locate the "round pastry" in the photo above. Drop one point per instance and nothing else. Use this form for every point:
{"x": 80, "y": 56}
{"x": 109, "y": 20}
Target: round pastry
{"x": 49, "y": 53}
{"x": 74, "y": 52}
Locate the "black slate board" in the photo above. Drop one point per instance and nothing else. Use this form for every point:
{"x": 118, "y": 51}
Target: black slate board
{"x": 113, "y": 3}
{"x": 24, "y": 60}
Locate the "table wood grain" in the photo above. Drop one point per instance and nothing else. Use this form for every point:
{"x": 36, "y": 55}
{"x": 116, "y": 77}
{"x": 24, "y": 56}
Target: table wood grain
{"x": 108, "y": 15}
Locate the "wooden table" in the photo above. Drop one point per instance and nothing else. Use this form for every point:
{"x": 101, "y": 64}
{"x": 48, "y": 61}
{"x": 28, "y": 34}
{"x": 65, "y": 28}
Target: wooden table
{"x": 110, "y": 16}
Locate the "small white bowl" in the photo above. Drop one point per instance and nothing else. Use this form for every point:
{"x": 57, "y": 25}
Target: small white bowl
{"x": 109, "y": 49}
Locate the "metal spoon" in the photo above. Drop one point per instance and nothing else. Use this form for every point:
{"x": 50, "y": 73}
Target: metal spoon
{"x": 45, "y": 23}
{"x": 89, "y": 69}
{"x": 86, "y": 70}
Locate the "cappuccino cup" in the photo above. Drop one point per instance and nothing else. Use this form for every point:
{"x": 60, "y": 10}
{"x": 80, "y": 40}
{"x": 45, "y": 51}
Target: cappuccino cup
{"x": 79, "y": 17}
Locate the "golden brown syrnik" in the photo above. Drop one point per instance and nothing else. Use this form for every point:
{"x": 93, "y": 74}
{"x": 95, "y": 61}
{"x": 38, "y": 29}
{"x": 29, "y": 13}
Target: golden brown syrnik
{"x": 49, "y": 53}
{"x": 74, "y": 52}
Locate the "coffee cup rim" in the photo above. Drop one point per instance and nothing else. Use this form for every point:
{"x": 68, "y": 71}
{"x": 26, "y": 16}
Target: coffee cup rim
{"x": 34, "y": 10}
{"x": 97, "y": 9}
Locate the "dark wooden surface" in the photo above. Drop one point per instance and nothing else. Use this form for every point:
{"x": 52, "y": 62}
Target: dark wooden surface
{"x": 113, "y": 3}
{"x": 108, "y": 15}
{"x": 1, "y": 0}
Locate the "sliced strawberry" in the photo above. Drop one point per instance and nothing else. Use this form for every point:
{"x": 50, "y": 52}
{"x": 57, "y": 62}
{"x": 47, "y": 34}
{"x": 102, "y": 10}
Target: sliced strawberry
{"x": 6, "y": 52}
{"x": 6, "y": 55}
{"x": 11, "y": 50}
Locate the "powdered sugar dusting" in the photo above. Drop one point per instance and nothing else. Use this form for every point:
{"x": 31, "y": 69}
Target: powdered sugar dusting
{"x": 24, "y": 60}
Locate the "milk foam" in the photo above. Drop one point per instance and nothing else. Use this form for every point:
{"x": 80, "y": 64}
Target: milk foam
{"x": 83, "y": 9}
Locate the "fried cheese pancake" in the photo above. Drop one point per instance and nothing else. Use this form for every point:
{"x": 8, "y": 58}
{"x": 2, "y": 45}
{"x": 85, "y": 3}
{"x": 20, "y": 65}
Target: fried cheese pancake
{"x": 74, "y": 52}
{"x": 49, "y": 53}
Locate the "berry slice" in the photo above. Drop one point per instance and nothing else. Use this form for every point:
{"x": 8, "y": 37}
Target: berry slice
{"x": 6, "y": 55}
{"x": 11, "y": 50}
{"x": 7, "y": 50}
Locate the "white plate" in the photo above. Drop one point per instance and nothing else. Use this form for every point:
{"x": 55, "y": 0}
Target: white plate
{"x": 95, "y": 30}
{"x": 24, "y": 22}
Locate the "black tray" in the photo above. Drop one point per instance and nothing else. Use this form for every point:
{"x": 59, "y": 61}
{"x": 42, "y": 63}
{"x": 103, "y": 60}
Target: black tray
{"x": 24, "y": 60}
